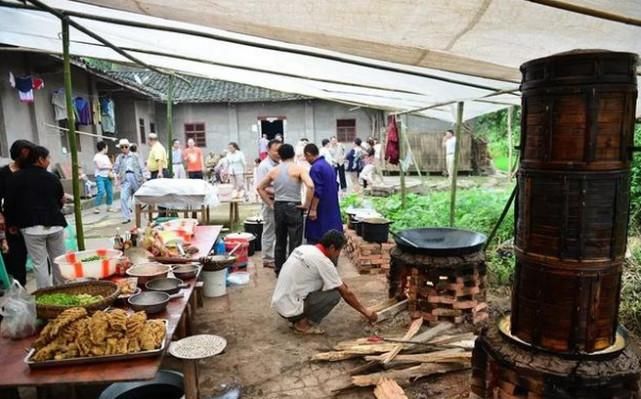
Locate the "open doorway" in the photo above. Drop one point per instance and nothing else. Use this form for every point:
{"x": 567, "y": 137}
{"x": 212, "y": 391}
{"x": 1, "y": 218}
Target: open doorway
{"x": 271, "y": 127}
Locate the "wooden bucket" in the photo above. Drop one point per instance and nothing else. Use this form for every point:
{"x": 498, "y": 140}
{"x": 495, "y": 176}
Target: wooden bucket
{"x": 573, "y": 199}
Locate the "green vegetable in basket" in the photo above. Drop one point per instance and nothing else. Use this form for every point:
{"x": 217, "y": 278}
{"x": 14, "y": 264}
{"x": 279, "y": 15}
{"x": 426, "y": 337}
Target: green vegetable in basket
{"x": 62, "y": 299}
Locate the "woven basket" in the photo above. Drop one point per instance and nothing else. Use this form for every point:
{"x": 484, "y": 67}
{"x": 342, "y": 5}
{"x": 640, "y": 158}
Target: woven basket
{"x": 107, "y": 289}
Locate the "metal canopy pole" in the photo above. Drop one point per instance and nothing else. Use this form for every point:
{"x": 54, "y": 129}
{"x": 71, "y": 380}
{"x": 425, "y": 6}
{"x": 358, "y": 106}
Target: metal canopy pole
{"x": 170, "y": 125}
{"x": 457, "y": 148}
{"x": 71, "y": 136}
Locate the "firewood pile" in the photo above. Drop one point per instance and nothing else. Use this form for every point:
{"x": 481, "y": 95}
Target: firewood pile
{"x": 368, "y": 257}
{"x": 390, "y": 363}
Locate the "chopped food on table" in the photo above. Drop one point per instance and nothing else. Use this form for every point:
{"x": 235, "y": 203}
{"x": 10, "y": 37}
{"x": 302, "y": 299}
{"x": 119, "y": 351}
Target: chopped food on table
{"x": 74, "y": 334}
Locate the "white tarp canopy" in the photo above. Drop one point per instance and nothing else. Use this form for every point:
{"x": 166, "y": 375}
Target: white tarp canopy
{"x": 404, "y": 42}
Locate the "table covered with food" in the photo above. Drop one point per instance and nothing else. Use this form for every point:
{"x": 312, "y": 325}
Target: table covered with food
{"x": 116, "y": 315}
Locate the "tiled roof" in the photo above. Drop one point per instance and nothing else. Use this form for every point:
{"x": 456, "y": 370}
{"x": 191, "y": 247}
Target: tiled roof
{"x": 202, "y": 90}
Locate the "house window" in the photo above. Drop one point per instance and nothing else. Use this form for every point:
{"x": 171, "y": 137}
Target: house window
{"x": 141, "y": 128}
{"x": 345, "y": 130}
{"x": 196, "y": 131}
{"x": 152, "y": 127}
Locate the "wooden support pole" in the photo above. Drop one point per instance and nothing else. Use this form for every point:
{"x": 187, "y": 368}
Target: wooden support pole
{"x": 170, "y": 124}
{"x": 457, "y": 150}
{"x": 400, "y": 127}
{"x": 509, "y": 143}
{"x": 72, "y": 136}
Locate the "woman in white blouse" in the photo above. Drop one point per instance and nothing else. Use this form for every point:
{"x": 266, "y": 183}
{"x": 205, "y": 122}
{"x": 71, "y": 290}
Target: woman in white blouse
{"x": 236, "y": 165}
{"x": 102, "y": 172}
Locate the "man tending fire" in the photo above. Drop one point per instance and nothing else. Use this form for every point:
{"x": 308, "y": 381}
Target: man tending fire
{"x": 309, "y": 287}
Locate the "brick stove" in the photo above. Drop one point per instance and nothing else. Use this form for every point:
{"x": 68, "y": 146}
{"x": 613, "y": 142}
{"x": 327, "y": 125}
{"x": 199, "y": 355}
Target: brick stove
{"x": 562, "y": 339}
{"x": 442, "y": 278}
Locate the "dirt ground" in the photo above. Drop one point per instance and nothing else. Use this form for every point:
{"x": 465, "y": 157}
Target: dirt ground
{"x": 269, "y": 361}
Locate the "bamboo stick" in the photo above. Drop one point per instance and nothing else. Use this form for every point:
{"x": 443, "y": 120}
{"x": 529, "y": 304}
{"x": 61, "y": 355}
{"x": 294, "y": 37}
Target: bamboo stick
{"x": 457, "y": 150}
{"x": 72, "y": 137}
{"x": 170, "y": 125}
{"x": 383, "y": 305}
{"x": 509, "y": 144}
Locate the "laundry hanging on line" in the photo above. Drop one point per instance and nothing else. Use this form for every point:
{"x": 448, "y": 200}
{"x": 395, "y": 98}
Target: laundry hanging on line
{"x": 25, "y": 86}
{"x": 107, "y": 115}
{"x": 83, "y": 111}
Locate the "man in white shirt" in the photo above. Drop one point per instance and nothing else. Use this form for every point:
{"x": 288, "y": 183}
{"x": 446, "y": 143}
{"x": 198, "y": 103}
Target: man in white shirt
{"x": 269, "y": 225}
{"x": 309, "y": 287}
{"x": 449, "y": 144}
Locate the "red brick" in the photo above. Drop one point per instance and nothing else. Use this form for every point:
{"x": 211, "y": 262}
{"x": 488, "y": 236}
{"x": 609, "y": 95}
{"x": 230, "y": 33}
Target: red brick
{"x": 480, "y": 306}
{"x": 464, "y": 304}
{"x": 441, "y": 299}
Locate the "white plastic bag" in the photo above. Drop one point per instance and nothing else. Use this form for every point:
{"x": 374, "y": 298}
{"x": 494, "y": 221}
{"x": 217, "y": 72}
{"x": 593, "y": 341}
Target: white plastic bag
{"x": 18, "y": 310}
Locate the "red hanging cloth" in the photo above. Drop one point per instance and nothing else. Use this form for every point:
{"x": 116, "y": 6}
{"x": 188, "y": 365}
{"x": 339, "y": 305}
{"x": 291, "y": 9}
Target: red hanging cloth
{"x": 392, "y": 152}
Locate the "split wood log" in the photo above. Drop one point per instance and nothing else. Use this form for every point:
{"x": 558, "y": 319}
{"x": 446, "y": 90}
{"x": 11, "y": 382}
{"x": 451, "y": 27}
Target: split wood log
{"x": 389, "y": 389}
{"x": 391, "y": 311}
{"x": 411, "y": 332}
{"x": 364, "y": 368}
{"x": 404, "y": 376}
{"x": 354, "y": 351}
{"x": 448, "y": 339}
{"x": 455, "y": 354}
{"x": 383, "y": 305}
{"x": 362, "y": 343}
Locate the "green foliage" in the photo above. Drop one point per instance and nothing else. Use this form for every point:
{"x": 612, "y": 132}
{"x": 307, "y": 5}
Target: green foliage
{"x": 501, "y": 265}
{"x": 476, "y": 209}
{"x": 493, "y": 128}
{"x": 630, "y": 307}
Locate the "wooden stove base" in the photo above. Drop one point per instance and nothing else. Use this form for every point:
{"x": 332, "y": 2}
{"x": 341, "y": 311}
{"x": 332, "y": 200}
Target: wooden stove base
{"x": 503, "y": 369}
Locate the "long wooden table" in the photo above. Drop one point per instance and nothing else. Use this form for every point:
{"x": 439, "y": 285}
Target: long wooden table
{"x": 15, "y": 372}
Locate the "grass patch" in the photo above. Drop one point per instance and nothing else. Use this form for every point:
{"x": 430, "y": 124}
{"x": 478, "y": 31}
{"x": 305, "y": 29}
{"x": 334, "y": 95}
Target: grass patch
{"x": 501, "y": 163}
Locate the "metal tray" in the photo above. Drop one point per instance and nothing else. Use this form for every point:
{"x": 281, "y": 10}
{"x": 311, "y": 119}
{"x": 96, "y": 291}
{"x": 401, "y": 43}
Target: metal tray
{"x": 95, "y": 359}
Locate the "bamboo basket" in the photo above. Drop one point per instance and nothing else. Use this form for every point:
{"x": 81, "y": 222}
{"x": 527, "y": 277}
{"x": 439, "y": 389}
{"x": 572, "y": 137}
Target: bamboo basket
{"x": 107, "y": 289}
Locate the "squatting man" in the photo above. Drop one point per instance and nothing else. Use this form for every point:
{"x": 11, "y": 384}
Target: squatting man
{"x": 309, "y": 287}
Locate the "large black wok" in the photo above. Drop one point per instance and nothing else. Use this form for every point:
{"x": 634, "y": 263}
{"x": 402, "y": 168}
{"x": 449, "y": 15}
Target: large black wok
{"x": 439, "y": 241}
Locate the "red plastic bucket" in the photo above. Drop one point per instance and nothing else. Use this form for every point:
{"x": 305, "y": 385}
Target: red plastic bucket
{"x": 242, "y": 253}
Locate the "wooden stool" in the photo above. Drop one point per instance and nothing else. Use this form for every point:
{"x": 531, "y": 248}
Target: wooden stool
{"x": 192, "y": 349}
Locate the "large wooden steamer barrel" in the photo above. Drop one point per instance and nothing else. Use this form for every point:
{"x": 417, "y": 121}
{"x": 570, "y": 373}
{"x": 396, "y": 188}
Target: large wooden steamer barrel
{"x": 573, "y": 198}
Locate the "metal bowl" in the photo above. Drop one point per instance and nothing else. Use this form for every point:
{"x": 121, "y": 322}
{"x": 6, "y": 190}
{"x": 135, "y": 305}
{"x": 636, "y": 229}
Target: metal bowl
{"x": 148, "y": 271}
{"x": 149, "y": 301}
{"x": 167, "y": 285}
{"x": 185, "y": 272}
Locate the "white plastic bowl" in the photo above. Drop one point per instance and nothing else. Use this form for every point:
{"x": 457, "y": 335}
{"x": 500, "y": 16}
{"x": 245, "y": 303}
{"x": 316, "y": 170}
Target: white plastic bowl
{"x": 72, "y": 267}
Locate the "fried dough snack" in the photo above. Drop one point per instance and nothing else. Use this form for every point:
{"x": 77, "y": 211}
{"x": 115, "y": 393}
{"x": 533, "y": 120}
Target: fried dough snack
{"x": 51, "y": 330}
{"x": 104, "y": 333}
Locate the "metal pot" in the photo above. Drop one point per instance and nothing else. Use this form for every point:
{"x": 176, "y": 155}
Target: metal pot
{"x": 167, "y": 285}
{"x": 439, "y": 241}
{"x": 149, "y": 301}
{"x": 375, "y": 229}
{"x": 185, "y": 272}
{"x": 148, "y": 271}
